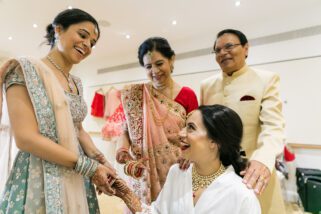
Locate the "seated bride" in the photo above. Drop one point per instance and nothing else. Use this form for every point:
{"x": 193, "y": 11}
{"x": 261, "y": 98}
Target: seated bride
{"x": 212, "y": 184}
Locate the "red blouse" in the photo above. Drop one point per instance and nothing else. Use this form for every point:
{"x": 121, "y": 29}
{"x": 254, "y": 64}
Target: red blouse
{"x": 187, "y": 98}
{"x": 97, "y": 105}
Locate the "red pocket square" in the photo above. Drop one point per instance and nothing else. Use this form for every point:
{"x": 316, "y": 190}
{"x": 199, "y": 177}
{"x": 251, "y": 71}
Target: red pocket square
{"x": 246, "y": 98}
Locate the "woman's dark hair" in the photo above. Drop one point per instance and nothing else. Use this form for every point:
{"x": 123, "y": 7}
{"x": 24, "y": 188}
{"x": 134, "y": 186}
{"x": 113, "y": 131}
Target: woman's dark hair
{"x": 65, "y": 19}
{"x": 225, "y": 128}
{"x": 155, "y": 44}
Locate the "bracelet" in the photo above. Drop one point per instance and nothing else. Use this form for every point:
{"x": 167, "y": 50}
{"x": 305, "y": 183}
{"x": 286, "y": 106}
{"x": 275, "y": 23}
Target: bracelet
{"x": 86, "y": 166}
{"x": 128, "y": 166}
{"x": 131, "y": 169}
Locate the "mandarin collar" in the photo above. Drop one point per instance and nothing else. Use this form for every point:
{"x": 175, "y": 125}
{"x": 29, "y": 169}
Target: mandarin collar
{"x": 236, "y": 73}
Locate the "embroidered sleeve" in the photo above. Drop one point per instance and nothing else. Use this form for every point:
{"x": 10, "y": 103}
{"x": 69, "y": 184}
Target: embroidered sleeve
{"x": 14, "y": 76}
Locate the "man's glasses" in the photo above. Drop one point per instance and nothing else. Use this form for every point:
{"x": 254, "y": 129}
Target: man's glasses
{"x": 227, "y": 48}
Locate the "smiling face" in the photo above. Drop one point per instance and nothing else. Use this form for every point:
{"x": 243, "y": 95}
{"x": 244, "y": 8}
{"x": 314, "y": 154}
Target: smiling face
{"x": 158, "y": 68}
{"x": 195, "y": 143}
{"x": 76, "y": 42}
{"x": 233, "y": 59}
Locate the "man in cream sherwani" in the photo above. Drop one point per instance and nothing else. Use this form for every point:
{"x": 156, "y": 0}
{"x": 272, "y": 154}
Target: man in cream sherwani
{"x": 254, "y": 96}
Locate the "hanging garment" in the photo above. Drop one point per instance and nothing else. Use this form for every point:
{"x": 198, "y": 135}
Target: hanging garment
{"x": 112, "y": 102}
{"x": 97, "y": 105}
{"x": 288, "y": 155}
{"x": 114, "y": 114}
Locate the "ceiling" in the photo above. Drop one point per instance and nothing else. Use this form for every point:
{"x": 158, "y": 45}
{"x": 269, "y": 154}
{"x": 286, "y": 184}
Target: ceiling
{"x": 198, "y": 21}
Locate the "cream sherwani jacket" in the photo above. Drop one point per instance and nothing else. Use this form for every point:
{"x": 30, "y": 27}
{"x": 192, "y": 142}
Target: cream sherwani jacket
{"x": 263, "y": 137}
{"x": 254, "y": 95}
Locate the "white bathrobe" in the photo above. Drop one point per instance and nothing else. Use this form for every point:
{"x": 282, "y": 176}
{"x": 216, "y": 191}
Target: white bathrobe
{"x": 225, "y": 195}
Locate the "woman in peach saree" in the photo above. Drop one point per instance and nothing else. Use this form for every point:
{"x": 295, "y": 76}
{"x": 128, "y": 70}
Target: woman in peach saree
{"x": 155, "y": 113}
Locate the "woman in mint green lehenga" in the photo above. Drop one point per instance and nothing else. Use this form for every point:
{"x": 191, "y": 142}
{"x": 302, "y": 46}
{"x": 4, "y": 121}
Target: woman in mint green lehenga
{"x": 57, "y": 162}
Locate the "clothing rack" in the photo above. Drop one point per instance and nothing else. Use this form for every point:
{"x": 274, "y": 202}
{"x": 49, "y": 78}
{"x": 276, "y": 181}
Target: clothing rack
{"x": 304, "y": 146}
{"x": 114, "y": 83}
{"x": 105, "y": 89}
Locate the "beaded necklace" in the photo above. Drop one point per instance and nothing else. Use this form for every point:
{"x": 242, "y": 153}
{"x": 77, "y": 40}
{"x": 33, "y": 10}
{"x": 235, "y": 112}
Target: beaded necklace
{"x": 68, "y": 78}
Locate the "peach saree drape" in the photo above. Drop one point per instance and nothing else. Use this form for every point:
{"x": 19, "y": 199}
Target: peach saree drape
{"x": 153, "y": 123}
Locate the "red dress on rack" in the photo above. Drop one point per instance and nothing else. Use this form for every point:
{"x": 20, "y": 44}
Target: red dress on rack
{"x": 97, "y": 105}
{"x": 114, "y": 114}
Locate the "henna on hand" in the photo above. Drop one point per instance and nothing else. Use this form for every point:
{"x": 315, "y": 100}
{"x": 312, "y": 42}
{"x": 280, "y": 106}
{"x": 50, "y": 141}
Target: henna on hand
{"x": 127, "y": 195}
{"x": 104, "y": 177}
{"x": 122, "y": 191}
{"x": 100, "y": 158}
{"x": 123, "y": 156}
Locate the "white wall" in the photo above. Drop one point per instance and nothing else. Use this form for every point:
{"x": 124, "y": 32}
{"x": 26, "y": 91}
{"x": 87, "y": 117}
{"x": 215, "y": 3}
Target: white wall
{"x": 300, "y": 86}
{"x": 2, "y": 60}
{"x": 308, "y": 158}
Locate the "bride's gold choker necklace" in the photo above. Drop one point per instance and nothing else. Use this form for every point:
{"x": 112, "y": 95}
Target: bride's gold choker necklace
{"x": 203, "y": 181}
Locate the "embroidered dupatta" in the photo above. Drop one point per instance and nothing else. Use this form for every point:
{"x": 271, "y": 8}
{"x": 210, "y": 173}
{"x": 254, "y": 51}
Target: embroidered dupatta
{"x": 36, "y": 185}
{"x": 151, "y": 138}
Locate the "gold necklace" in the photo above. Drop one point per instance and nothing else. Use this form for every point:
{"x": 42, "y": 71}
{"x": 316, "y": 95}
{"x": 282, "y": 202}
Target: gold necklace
{"x": 157, "y": 120}
{"x": 68, "y": 78}
{"x": 203, "y": 181}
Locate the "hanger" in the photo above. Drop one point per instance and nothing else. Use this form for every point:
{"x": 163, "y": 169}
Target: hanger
{"x": 100, "y": 90}
{"x": 110, "y": 88}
